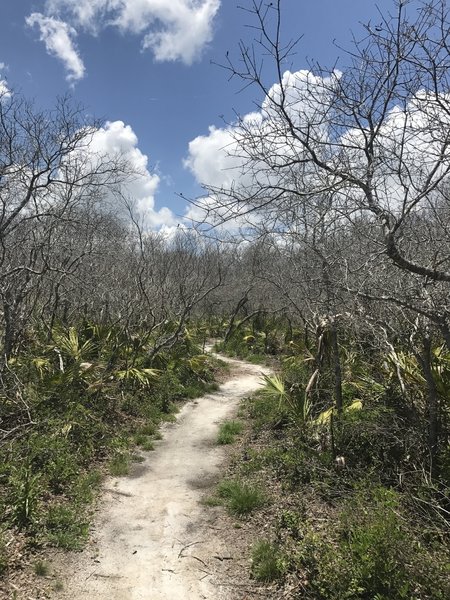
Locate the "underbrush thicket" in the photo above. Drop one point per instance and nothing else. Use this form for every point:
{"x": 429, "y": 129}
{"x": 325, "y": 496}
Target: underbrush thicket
{"x": 255, "y": 339}
{"x": 73, "y": 405}
{"x": 362, "y": 513}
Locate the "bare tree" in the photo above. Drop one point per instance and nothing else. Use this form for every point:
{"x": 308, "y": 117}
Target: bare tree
{"x": 49, "y": 176}
{"x": 373, "y": 135}
{"x": 351, "y": 165}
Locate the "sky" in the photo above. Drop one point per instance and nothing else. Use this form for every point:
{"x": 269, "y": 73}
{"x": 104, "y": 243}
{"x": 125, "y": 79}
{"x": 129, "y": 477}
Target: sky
{"x": 148, "y": 69}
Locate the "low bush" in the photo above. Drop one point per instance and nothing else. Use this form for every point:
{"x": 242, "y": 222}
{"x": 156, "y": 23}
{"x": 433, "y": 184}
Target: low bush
{"x": 66, "y": 527}
{"x": 373, "y": 553}
{"x": 268, "y": 562}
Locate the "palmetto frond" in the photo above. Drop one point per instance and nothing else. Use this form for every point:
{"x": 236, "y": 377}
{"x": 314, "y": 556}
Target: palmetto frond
{"x": 141, "y": 376}
{"x": 325, "y": 417}
{"x": 274, "y": 388}
{"x": 69, "y": 345}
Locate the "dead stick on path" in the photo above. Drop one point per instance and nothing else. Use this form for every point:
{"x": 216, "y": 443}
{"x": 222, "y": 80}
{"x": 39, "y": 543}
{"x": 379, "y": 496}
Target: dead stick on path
{"x": 119, "y": 493}
{"x": 180, "y": 553}
{"x": 199, "y": 560}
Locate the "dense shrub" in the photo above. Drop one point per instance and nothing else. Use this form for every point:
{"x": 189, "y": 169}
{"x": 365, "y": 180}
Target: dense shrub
{"x": 372, "y": 553}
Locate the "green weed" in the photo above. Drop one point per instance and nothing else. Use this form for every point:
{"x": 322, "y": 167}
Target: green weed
{"x": 228, "y": 432}
{"x": 140, "y": 439}
{"x": 212, "y": 501}
{"x": 137, "y": 458}
{"x": 119, "y": 465}
{"x": 268, "y": 562}
{"x": 147, "y": 429}
{"x": 66, "y": 527}
{"x": 24, "y": 491}
{"x": 266, "y": 411}
{"x": 257, "y": 359}
{"x": 292, "y": 522}
{"x": 373, "y": 554}
{"x": 41, "y": 568}
{"x": 148, "y": 446}
{"x": 85, "y": 487}
{"x": 241, "y": 498}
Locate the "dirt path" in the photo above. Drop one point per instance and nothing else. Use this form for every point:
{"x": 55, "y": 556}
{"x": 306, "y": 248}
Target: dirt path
{"x": 153, "y": 540}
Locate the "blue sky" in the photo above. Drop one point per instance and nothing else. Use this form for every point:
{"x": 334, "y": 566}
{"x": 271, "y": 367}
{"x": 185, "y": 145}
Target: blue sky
{"x": 167, "y": 93}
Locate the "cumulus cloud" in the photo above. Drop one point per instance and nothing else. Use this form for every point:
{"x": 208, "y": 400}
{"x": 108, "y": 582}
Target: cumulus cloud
{"x": 5, "y": 92}
{"x": 174, "y": 31}
{"x": 228, "y": 161}
{"x": 185, "y": 33}
{"x": 212, "y": 158}
{"x": 58, "y": 38}
{"x": 4, "y": 89}
{"x": 228, "y": 156}
{"x": 247, "y": 164}
{"x": 117, "y": 138}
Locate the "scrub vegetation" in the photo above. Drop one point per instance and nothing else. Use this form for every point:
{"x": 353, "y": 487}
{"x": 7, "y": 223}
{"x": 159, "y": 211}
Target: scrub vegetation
{"x": 354, "y": 510}
{"x": 341, "y": 195}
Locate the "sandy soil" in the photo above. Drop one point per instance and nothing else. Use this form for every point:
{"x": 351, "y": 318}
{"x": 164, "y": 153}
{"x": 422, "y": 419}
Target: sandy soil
{"x": 153, "y": 539}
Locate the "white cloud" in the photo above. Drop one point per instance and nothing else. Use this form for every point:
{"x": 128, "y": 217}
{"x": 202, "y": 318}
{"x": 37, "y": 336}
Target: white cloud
{"x": 5, "y": 92}
{"x": 185, "y": 33}
{"x": 116, "y": 138}
{"x": 248, "y": 163}
{"x": 88, "y": 14}
{"x": 58, "y": 39}
{"x": 228, "y": 157}
{"x": 4, "y": 89}
{"x": 174, "y": 30}
{"x": 210, "y": 158}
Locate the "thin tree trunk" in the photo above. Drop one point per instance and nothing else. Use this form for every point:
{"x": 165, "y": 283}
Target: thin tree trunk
{"x": 445, "y": 334}
{"x": 242, "y": 302}
{"x": 337, "y": 368}
{"x": 425, "y": 360}
{"x": 8, "y": 335}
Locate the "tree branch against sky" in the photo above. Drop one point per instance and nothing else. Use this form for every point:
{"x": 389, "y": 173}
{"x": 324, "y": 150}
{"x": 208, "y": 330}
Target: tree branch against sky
{"x": 151, "y": 65}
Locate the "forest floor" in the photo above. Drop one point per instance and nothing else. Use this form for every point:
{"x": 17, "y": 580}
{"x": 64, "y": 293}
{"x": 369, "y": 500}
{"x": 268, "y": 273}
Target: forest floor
{"x": 152, "y": 538}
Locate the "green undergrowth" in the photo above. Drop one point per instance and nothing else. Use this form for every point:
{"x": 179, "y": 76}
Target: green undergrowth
{"x": 256, "y": 341}
{"x": 241, "y": 498}
{"x": 353, "y": 515}
{"x": 77, "y": 407}
{"x": 228, "y": 432}
{"x": 268, "y": 562}
{"x": 242, "y": 352}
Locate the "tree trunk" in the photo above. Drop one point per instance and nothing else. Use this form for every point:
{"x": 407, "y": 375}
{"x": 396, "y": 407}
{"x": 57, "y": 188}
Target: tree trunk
{"x": 337, "y": 368}
{"x": 242, "y": 302}
{"x": 425, "y": 359}
{"x": 8, "y": 334}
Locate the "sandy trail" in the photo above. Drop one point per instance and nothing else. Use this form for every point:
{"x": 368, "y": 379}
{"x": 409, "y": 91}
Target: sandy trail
{"x": 153, "y": 540}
